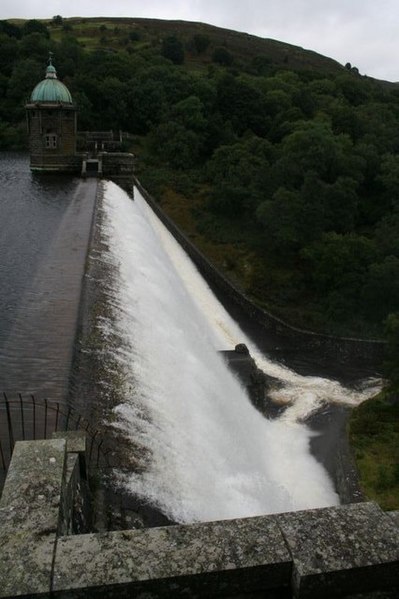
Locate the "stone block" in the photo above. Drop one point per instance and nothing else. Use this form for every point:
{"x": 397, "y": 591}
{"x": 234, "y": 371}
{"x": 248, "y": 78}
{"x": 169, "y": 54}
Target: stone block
{"x": 70, "y": 487}
{"x": 342, "y": 550}
{"x": 394, "y": 516}
{"x": 76, "y": 442}
{"x": 29, "y": 517}
{"x": 201, "y": 560}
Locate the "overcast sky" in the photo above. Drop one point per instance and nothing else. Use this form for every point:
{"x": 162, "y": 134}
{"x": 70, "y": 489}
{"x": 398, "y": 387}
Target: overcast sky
{"x": 362, "y": 32}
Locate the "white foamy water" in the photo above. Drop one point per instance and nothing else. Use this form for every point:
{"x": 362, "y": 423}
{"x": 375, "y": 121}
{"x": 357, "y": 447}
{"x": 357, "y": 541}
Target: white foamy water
{"x": 213, "y": 455}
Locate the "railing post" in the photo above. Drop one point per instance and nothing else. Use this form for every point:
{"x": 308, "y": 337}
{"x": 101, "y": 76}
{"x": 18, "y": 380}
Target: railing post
{"x": 9, "y": 423}
{"x": 45, "y": 418}
{"x": 21, "y": 406}
{"x": 34, "y": 416}
{"x": 2, "y": 457}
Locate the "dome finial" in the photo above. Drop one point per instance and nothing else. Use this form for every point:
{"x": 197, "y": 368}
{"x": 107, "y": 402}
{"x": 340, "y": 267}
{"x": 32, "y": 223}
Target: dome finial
{"x": 51, "y": 73}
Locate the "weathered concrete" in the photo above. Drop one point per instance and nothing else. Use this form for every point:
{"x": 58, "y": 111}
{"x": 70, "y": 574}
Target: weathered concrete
{"x": 76, "y": 442}
{"x": 74, "y": 509}
{"x": 343, "y": 550}
{"x": 349, "y": 552}
{"x": 29, "y": 517}
{"x": 200, "y": 559}
{"x": 395, "y": 517}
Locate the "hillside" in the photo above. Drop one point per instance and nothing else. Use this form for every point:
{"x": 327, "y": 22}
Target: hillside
{"x": 244, "y": 46}
{"x": 280, "y": 163}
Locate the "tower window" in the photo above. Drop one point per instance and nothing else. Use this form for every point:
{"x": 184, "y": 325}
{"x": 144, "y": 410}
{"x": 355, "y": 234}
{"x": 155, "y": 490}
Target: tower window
{"x": 51, "y": 141}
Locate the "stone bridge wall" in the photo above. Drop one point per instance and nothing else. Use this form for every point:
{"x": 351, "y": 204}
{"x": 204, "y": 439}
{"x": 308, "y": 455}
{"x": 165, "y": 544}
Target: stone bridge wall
{"x": 334, "y": 552}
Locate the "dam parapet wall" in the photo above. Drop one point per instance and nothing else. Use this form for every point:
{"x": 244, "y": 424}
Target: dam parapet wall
{"x": 347, "y": 551}
{"x": 362, "y": 353}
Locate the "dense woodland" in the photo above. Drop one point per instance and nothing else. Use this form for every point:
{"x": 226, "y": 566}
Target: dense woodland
{"x": 281, "y": 164}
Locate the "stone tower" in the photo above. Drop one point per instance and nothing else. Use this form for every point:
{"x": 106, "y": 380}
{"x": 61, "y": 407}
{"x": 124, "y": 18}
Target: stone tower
{"x": 52, "y": 126}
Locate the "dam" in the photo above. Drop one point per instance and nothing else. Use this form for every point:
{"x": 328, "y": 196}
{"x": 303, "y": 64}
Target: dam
{"x": 204, "y": 452}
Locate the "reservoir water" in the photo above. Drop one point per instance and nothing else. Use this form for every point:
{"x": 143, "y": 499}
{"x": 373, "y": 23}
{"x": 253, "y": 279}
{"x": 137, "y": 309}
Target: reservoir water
{"x": 44, "y": 235}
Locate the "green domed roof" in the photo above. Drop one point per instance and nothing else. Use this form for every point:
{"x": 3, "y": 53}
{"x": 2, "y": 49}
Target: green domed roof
{"x": 51, "y": 89}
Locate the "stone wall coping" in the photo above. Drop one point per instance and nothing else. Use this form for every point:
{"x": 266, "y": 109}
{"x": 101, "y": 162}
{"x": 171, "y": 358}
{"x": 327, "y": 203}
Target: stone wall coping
{"x": 171, "y": 554}
{"x": 76, "y": 441}
{"x": 340, "y": 551}
{"x": 29, "y": 517}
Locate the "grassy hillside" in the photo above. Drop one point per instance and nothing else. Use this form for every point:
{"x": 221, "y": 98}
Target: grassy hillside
{"x": 114, "y": 32}
{"x": 374, "y": 432}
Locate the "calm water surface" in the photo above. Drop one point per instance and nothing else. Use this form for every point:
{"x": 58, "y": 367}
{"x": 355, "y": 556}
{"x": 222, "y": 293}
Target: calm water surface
{"x": 32, "y": 213}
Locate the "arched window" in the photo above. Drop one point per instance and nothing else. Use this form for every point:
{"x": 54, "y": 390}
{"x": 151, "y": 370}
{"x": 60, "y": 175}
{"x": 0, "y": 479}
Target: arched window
{"x": 50, "y": 141}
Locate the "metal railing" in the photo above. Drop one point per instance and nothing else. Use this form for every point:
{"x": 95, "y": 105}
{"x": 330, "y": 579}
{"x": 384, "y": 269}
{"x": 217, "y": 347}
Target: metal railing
{"x": 29, "y": 418}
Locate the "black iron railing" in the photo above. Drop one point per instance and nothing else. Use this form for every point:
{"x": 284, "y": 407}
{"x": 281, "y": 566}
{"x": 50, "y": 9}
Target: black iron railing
{"x": 29, "y": 418}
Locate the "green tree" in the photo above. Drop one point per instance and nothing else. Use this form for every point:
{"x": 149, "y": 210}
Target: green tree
{"x": 8, "y": 53}
{"x": 314, "y": 147}
{"x": 392, "y": 336}
{"x": 190, "y": 113}
{"x": 277, "y": 101}
{"x": 261, "y": 65}
{"x": 201, "y": 42}
{"x": 239, "y": 174}
{"x": 342, "y": 201}
{"x": 389, "y": 177}
{"x": 87, "y": 120}
{"x": 174, "y": 144}
{"x": 25, "y": 75}
{"x": 281, "y": 217}
{"x": 243, "y": 104}
{"x": 293, "y": 218}
{"x": 10, "y": 29}
{"x": 35, "y": 26}
{"x": 173, "y": 49}
{"x": 35, "y": 45}
{"x": 134, "y": 35}
{"x": 381, "y": 289}
{"x": 337, "y": 269}
{"x": 387, "y": 235}
{"x": 222, "y": 56}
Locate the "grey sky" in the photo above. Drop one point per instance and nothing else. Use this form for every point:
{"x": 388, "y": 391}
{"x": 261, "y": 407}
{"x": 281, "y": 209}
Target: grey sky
{"x": 362, "y": 32}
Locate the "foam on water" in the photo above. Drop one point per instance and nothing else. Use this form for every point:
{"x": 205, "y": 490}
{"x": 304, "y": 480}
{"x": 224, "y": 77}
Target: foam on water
{"x": 213, "y": 456}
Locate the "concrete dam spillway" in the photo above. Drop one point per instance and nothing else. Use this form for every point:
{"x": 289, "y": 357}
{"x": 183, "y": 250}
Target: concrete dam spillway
{"x": 201, "y": 450}
{"x": 210, "y": 454}
{"x": 207, "y": 453}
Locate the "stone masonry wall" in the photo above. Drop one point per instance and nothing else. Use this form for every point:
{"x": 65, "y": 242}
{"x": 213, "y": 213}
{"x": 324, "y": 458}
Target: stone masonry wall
{"x": 340, "y": 552}
{"x": 117, "y": 164}
{"x": 56, "y": 120}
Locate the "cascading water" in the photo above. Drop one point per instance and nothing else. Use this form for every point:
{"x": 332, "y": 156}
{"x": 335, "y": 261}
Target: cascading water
{"x": 212, "y": 454}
